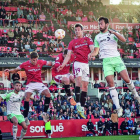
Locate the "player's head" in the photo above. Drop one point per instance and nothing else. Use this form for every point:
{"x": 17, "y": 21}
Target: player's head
{"x": 34, "y": 58}
{"x": 65, "y": 52}
{"x": 78, "y": 30}
{"x": 103, "y": 24}
{"x": 17, "y": 86}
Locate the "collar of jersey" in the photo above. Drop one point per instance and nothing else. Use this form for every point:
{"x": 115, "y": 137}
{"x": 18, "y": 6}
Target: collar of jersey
{"x": 104, "y": 33}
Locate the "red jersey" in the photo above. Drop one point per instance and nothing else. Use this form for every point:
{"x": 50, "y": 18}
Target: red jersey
{"x": 33, "y": 72}
{"x": 58, "y": 61}
{"x": 81, "y": 48}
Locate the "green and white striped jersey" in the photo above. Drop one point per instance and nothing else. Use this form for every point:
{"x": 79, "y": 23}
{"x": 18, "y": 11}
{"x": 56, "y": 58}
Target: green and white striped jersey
{"x": 108, "y": 45}
{"x": 13, "y": 102}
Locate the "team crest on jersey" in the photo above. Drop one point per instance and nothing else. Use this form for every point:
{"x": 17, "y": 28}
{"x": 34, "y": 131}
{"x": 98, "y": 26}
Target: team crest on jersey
{"x": 38, "y": 65}
{"x": 85, "y": 41}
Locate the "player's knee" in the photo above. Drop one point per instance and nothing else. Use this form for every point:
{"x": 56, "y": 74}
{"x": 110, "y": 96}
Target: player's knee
{"x": 15, "y": 123}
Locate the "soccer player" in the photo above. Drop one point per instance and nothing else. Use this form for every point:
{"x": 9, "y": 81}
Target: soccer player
{"x": 33, "y": 69}
{"x": 82, "y": 48}
{"x": 14, "y": 115}
{"x": 63, "y": 76}
{"x": 106, "y": 44}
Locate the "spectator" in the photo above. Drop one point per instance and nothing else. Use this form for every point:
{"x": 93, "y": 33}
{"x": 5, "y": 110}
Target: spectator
{"x": 8, "y": 53}
{"x": 2, "y": 53}
{"x": 30, "y": 18}
{"x": 32, "y": 45}
{"x": 127, "y": 104}
{"x": 20, "y": 13}
{"x": 4, "y": 40}
{"x": 1, "y": 114}
{"x": 59, "y": 44}
{"x": 54, "y": 117}
{"x": 16, "y": 33}
{"x": 22, "y": 46}
{"x": 53, "y": 88}
{"x": 89, "y": 109}
{"x": 77, "y": 116}
{"x": 65, "y": 116}
{"x": 35, "y": 103}
{"x": 64, "y": 106}
{"x": 28, "y": 27}
{"x": 37, "y": 97}
{"x": 124, "y": 125}
{"x": 103, "y": 98}
{"x": 39, "y": 35}
{"x": 135, "y": 127}
{"x": 133, "y": 106}
{"x": 88, "y": 34}
{"x": 45, "y": 45}
{"x": 96, "y": 116}
{"x": 30, "y": 33}
{"x": 114, "y": 119}
{"x": 137, "y": 82}
{"x": 127, "y": 96}
{"x": 102, "y": 111}
{"x": 10, "y": 35}
{"x": 78, "y": 18}
{"x": 84, "y": 18}
{"x": 15, "y": 77}
{"x": 25, "y": 12}
{"x": 27, "y": 46}
{"x": 120, "y": 95}
{"x": 107, "y": 127}
{"x": 90, "y": 127}
{"x": 22, "y": 33}
{"x": 130, "y": 125}
{"x": 46, "y": 30}
{"x": 127, "y": 112}
{"x": 125, "y": 87}
{"x": 138, "y": 111}
{"x": 96, "y": 85}
{"x": 3, "y": 10}
{"x": 101, "y": 127}
{"x": 90, "y": 116}
{"x": 2, "y": 17}
{"x": 7, "y": 19}
{"x": 97, "y": 104}
{"x": 42, "y": 19}
{"x": 14, "y": 19}
{"x": 108, "y": 115}
{"x": 40, "y": 107}
{"x": 28, "y": 39}
{"x": 4, "y": 110}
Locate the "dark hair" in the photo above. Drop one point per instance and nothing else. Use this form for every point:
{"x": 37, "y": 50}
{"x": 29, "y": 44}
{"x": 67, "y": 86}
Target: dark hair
{"x": 34, "y": 55}
{"x": 65, "y": 51}
{"x": 16, "y": 82}
{"x": 105, "y": 19}
{"x": 79, "y": 25}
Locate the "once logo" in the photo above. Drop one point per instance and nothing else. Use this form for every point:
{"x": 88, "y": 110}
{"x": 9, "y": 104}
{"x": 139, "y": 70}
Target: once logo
{"x": 38, "y": 129}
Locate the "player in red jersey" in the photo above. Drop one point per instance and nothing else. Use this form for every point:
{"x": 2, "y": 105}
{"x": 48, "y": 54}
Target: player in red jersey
{"x": 33, "y": 69}
{"x": 82, "y": 47}
{"x": 63, "y": 76}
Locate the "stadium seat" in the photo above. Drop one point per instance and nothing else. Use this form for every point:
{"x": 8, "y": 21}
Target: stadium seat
{"x": 4, "y": 31}
{"x": 1, "y": 118}
{"x": 131, "y": 57}
{"x": 5, "y": 118}
{"x": 130, "y": 39}
{"x": 4, "y": 49}
{"x": 13, "y": 9}
{"x": 34, "y": 31}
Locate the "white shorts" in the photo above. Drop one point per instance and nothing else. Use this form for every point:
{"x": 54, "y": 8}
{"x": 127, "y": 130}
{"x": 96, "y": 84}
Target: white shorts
{"x": 31, "y": 87}
{"x": 58, "y": 78}
{"x": 81, "y": 69}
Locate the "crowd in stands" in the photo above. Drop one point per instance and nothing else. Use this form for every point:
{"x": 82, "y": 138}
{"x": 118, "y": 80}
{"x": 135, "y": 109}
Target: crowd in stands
{"x": 17, "y": 37}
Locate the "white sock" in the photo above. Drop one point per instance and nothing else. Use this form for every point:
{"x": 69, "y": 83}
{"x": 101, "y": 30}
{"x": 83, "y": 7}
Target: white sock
{"x": 23, "y": 132}
{"x": 78, "y": 104}
{"x": 14, "y": 131}
{"x": 132, "y": 88}
{"x": 114, "y": 95}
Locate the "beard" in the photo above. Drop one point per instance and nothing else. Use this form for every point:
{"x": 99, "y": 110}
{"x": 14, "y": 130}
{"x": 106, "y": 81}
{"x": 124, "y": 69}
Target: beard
{"x": 102, "y": 30}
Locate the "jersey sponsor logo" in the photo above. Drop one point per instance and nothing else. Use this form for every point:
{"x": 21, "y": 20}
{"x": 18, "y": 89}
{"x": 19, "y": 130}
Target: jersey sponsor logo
{"x": 38, "y": 65}
{"x": 108, "y": 38}
{"x": 81, "y": 45}
{"x": 35, "y": 70}
{"x": 57, "y": 58}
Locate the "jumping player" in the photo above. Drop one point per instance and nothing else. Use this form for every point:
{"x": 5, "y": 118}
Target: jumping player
{"x": 14, "y": 115}
{"x": 106, "y": 44}
{"x": 63, "y": 76}
{"x": 82, "y": 47}
{"x": 33, "y": 69}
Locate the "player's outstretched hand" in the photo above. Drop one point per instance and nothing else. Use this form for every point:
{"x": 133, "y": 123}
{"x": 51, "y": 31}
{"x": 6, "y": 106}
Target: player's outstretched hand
{"x": 6, "y": 70}
{"x": 90, "y": 57}
{"x": 59, "y": 68}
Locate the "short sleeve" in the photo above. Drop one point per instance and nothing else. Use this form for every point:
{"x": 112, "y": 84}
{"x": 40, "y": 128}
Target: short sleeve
{"x": 21, "y": 66}
{"x": 6, "y": 96}
{"x": 96, "y": 44}
{"x": 70, "y": 47}
{"x": 44, "y": 62}
{"x": 90, "y": 41}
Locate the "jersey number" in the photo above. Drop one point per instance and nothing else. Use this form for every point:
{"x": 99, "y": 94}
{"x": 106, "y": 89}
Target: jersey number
{"x": 108, "y": 38}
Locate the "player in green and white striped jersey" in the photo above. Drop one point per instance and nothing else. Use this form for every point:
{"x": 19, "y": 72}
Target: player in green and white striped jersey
{"x": 105, "y": 44}
{"x": 14, "y": 115}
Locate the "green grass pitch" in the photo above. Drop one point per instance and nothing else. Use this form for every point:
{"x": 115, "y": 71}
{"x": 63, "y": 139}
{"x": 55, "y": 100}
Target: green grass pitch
{"x": 130, "y": 137}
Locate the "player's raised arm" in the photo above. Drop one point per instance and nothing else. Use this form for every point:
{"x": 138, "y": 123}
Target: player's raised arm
{"x": 66, "y": 60}
{"x": 13, "y": 70}
{"x": 118, "y": 35}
